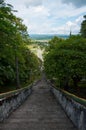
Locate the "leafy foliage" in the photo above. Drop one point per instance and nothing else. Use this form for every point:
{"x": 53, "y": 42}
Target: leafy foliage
{"x": 66, "y": 60}
{"x": 83, "y": 28}
{"x": 16, "y": 60}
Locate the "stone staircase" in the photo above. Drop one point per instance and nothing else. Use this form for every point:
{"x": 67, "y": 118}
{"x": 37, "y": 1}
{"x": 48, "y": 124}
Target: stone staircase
{"x": 40, "y": 111}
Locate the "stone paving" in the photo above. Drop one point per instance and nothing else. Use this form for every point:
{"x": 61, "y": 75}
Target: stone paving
{"x": 40, "y": 111}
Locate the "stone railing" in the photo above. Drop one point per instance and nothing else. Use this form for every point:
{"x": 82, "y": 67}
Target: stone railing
{"x": 11, "y": 100}
{"x": 74, "y": 106}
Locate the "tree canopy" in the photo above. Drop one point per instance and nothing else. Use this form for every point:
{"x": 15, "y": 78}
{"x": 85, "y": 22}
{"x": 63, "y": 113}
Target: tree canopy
{"x": 16, "y": 60}
{"x": 66, "y": 60}
{"x": 83, "y": 27}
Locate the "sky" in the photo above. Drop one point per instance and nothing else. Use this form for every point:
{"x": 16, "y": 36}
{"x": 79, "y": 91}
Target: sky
{"x": 50, "y": 16}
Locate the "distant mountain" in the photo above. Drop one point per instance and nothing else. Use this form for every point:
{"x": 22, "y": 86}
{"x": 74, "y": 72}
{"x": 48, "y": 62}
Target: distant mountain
{"x": 46, "y": 36}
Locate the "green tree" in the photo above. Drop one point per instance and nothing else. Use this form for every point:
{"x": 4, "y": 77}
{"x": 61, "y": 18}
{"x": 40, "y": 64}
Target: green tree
{"x": 16, "y": 60}
{"x": 67, "y": 61}
{"x": 83, "y": 27}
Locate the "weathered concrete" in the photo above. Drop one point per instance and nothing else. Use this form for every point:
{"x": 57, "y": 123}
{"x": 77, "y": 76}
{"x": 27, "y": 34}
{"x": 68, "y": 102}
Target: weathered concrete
{"x": 9, "y": 103}
{"x": 40, "y": 111}
{"x": 75, "y": 111}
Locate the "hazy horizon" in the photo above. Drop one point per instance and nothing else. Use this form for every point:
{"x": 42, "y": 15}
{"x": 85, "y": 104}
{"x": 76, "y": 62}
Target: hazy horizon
{"x": 46, "y": 36}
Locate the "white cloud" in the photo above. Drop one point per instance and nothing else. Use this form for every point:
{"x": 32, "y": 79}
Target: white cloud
{"x": 77, "y": 3}
{"x": 29, "y": 3}
{"x": 79, "y": 19}
{"x": 75, "y": 25}
{"x": 45, "y": 16}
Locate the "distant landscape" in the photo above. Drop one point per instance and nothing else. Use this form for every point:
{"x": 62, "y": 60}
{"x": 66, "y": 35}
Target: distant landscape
{"x": 46, "y": 36}
{"x": 53, "y": 47}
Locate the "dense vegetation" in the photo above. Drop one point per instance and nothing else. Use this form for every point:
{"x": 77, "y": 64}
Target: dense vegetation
{"x": 83, "y": 28}
{"x": 17, "y": 63}
{"x": 65, "y": 61}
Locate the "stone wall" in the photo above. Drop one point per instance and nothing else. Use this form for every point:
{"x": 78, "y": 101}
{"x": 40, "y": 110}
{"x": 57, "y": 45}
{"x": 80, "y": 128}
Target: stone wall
{"x": 10, "y": 102}
{"x": 75, "y": 111}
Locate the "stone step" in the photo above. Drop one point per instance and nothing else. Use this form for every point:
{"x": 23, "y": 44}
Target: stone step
{"x": 40, "y": 111}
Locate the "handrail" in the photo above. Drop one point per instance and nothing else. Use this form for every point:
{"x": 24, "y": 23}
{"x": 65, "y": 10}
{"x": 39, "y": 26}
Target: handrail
{"x": 80, "y": 100}
{"x": 11, "y": 93}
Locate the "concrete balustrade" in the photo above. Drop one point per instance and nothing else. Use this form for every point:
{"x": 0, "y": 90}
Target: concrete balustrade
{"x": 75, "y": 110}
{"x": 11, "y": 100}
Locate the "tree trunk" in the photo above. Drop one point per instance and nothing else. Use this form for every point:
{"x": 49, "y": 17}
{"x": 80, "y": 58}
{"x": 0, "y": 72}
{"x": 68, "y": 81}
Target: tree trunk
{"x": 76, "y": 80}
{"x": 17, "y": 72}
{"x": 66, "y": 83}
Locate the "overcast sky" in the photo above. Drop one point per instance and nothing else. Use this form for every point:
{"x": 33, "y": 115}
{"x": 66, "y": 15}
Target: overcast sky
{"x": 50, "y": 16}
